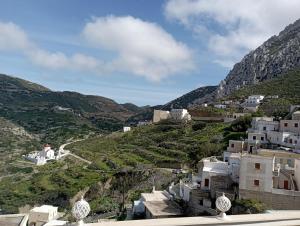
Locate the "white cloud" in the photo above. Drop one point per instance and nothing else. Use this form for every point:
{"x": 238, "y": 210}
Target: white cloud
{"x": 13, "y": 38}
{"x": 235, "y": 26}
{"x": 142, "y": 48}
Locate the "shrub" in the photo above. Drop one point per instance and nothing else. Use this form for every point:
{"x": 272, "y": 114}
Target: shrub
{"x": 199, "y": 126}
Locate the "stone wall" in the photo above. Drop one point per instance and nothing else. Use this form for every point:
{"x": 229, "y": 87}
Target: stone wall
{"x": 272, "y": 200}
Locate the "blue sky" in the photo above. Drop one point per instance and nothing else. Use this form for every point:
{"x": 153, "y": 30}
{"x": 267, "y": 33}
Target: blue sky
{"x": 139, "y": 51}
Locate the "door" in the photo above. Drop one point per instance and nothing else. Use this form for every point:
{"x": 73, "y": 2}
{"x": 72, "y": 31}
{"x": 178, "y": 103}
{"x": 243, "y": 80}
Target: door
{"x": 286, "y": 184}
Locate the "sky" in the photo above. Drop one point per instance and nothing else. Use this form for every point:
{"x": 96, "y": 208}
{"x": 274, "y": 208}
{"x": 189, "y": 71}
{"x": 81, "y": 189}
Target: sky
{"x": 146, "y": 52}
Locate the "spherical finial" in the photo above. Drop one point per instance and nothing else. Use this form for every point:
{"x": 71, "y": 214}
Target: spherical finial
{"x": 80, "y": 210}
{"x": 223, "y": 204}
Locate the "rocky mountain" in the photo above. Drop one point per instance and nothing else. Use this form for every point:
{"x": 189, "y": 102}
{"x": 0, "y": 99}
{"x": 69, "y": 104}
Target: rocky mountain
{"x": 59, "y": 115}
{"x": 275, "y": 57}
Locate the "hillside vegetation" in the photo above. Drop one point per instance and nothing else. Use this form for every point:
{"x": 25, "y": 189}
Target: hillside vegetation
{"x": 286, "y": 87}
{"x": 14, "y": 141}
{"x": 58, "y": 116}
{"x": 167, "y": 144}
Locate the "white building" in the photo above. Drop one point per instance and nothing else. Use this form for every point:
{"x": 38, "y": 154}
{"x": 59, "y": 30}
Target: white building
{"x": 126, "y": 129}
{"x": 220, "y": 106}
{"x": 296, "y": 115}
{"x": 159, "y": 115}
{"x": 263, "y": 124}
{"x": 211, "y": 167}
{"x": 264, "y": 179}
{"x": 180, "y": 114}
{"x": 234, "y": 116}
{"x": 292, "y": 126}
{"x": 252, "y": 102}
{"x": 39, "y": 216}
{"x": 41, "y": 157}
{"x": 175, "y": 114}
{"x": 254, "y": 99}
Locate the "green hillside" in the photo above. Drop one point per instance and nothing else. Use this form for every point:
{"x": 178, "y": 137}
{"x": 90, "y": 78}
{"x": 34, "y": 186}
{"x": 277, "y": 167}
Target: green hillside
{"x": 167, "y": 144}
{"x": 286, "y": 87}
{"x": 58, "y": 116}
{"x": 14, "y": 141}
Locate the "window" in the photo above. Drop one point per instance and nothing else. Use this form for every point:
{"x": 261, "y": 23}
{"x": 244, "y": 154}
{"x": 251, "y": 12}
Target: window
{"x": 254, "y": 137}
{"x": 257, "y": 166}
{"x": 232, "y": 145}
{"x": 201, "y": 202}
{"x": 264, "y": 128}
{"x": 206, "y": 182}
{"x": 295, "y": 141}
{"x": 262, "y": 138}
{"x": 290, "y": 141}
{"x": 296, "y": 125}
{"x": 285, "y": 124}
{"x": 256, "y": 182}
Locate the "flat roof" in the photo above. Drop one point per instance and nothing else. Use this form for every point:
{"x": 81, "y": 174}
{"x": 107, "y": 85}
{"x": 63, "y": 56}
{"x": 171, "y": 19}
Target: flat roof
{"x": 163, "y": 208}
{"x": 154, "y": 196}
{"x": 13, "y": 219}
{"x": 43, "y": 209}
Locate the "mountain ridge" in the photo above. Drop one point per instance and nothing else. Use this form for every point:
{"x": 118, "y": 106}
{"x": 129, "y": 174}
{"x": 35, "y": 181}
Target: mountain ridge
{"x": 276, "y": 57}
{"x": 42, "y": 111}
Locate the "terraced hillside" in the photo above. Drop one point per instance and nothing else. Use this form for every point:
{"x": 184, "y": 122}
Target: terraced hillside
{"x": 167, "y": 144}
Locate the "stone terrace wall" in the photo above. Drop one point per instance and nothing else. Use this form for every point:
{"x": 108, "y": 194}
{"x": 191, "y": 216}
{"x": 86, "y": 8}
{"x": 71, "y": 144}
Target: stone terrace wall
{"x": 273, "y": 200}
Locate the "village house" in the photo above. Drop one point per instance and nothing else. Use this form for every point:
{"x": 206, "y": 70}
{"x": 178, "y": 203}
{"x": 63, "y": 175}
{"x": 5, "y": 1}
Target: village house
{"x": 175, "y": 114}
{"x": 252, "y": 102}
{"x": 157, "y": 204}
{"x": 45, "y": 215}
{"x": 159, "y": 115}
{"x": 220, "y": 106}
{"x": 180, "y": 114}
{"x": 254, "y": 99}
{"x": 213, "y": 178}
{"x": 230, "y": 117}
{"x": 263, "y": 179}
{"x": 296, "y": 115}
{"x": 126, "y": 129}
{"x": 41, "y": 158}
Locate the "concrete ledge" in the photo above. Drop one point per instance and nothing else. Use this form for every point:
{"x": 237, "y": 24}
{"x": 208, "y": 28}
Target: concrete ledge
{"x": 273, "y": 218}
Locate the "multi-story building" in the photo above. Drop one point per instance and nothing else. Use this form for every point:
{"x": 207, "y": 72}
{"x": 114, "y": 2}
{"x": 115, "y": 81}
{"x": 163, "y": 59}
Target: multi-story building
{"x": 264, "y": 179}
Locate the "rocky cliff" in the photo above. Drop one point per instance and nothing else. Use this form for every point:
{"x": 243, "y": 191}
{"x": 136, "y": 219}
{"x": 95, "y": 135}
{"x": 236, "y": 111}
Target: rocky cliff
{"x": 276, "y": 56}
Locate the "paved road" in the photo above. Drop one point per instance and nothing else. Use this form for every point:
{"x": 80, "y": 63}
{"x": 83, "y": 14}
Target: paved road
{"x": 61, "y": 148}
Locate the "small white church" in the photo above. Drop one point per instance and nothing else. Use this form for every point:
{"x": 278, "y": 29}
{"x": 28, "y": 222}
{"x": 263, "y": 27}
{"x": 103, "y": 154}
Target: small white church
{"x": 41, "y": 157}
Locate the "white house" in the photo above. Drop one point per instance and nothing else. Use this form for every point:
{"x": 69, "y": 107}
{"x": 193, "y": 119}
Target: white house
{"x": 159, "y": 115}
{"x": 296, "y": 115}
{"x": 254, "y": 99}
{"x": 212, "y": 167}
{"x": 220, "y": 106}
{"x": 175, "y": 114}
{"x": 126, "y": 129}
{"x": 263, "y": 178}
{"x": 264, "y": 124}
{"x": 39, "y": 216}
{"x": 256, "y": 173}
{"x": 180, "y": 114}
{"x": 41, "y": 158}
